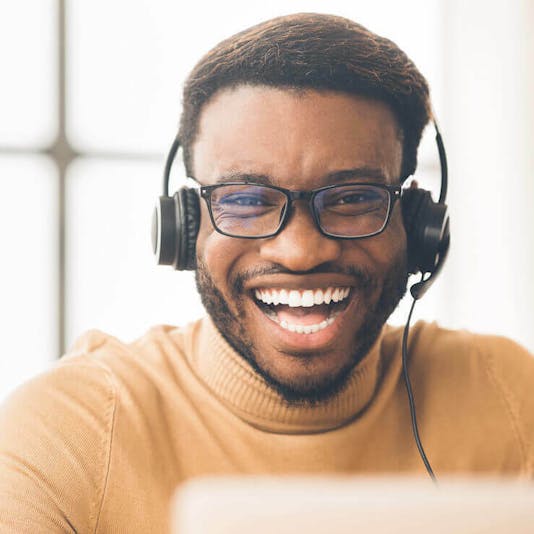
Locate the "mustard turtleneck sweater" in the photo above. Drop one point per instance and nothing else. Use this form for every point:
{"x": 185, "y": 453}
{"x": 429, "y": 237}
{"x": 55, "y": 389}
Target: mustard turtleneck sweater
{"x": 99, "y": 443}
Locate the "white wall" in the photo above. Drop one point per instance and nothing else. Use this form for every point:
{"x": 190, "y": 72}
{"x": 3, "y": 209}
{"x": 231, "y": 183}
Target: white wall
{"x": 489, "y": 116}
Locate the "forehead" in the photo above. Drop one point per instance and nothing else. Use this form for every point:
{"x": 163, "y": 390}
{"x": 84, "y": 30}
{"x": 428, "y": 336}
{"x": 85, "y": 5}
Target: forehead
{"x": 296, "y": 139}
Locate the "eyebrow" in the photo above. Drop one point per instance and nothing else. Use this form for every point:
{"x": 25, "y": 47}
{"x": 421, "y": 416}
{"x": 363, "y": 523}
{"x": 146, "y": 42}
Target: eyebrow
{"x": 363, "y": 174}
{"x": 245, "y": 177}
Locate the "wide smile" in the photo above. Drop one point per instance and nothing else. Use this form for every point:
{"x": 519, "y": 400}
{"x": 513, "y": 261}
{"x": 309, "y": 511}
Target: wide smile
{"x": 303, "y": 311}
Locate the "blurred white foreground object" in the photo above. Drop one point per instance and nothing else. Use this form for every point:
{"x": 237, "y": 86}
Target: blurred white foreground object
{"x": 349, "y": 505}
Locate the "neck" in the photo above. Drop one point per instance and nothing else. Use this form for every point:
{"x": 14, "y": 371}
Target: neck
{"x": 247, "y": 394}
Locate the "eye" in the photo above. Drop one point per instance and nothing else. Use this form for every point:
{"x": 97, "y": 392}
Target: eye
{"x": 358, "y": 197}
{"x": 244, "y": 199}
{"x": 239, "y": 197}
{"x": 354, "y": 197}
{"x": 353, "y": 200}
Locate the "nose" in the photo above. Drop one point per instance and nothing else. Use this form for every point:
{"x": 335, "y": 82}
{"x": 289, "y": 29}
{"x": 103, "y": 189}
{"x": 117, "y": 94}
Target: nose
{"x": 300, "y": 246}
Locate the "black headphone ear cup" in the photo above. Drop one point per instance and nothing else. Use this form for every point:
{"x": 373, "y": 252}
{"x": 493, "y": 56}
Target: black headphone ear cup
{"x": 187, "y": 223}
{"x": 164, "y": 231}
{"x": 411, "y": 202}
{"x": 427, "y": 229}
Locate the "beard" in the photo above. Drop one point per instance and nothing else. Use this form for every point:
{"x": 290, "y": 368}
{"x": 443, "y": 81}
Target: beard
{"x": 313, "y": 390}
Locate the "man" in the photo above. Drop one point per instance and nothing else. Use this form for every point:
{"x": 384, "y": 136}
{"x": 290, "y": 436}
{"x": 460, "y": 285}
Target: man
{"x": 294, "y": 370}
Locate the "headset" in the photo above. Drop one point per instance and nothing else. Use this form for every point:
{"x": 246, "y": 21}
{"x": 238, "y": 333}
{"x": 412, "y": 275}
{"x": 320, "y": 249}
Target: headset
{"x": 176, "y": 220}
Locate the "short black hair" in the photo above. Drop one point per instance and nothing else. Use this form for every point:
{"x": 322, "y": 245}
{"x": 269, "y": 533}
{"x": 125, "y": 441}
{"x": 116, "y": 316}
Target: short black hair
{"x": 316, "y": 52}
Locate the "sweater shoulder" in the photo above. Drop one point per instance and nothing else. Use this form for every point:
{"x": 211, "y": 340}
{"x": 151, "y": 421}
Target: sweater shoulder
{"x": 463, "y": 357}
{"x": 55, "y": 438}
{"x": 510, "y": 370}
{"x": 470, "y": 353}
{"x": 157, "y": 355}
{"x": 486, "y": 381}
{"x": 57, "y": 431}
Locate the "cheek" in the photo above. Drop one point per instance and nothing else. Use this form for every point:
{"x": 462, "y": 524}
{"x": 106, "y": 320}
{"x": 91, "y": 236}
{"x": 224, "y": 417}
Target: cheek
{"x": 397, "y": 232}
{"x": 218, "y": 253}
{"x": 212, "y": 252}
{"x": 389, "y": 247}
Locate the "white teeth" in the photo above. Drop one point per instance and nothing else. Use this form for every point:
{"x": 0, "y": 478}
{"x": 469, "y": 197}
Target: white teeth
{"x": 318, "y": 296}
{"x": 294, "y": 299}
{"x": 283, "y": 296}
{"x": 304, "y": 329}
{"x": 328, "y": 296}
{"x": 307, "y": 299}
{"x": 302, "y": 298}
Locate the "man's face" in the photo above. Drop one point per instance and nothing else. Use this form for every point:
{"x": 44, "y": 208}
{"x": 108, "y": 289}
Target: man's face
{"x": 299, "y": 141}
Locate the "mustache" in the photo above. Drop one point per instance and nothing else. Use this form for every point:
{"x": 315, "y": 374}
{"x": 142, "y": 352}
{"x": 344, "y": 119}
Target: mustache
{"x": 364, "y": 278}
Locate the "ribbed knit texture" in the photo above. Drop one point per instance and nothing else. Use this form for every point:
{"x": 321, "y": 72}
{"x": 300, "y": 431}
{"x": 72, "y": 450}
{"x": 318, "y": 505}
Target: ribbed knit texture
{"x": 100, "y": 443}
{"x": 245, "y": 393}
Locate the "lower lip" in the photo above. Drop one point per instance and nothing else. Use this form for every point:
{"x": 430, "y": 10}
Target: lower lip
{"x": 305, "y": 342}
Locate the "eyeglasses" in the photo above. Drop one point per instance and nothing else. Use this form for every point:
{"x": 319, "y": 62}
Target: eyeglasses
{"x": 253, "y": 211}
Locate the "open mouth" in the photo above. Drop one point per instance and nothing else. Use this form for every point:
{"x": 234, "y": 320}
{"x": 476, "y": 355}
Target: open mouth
{"x": 304, "y": 311}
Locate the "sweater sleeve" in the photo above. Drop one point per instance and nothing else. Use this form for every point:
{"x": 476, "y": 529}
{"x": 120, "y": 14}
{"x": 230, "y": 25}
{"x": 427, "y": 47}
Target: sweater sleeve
{"x": 55, "y": 439}
{"x": 510, "y": 368}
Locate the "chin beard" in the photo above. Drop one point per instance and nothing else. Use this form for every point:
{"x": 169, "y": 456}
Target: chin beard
{"x": 309, "y": 391}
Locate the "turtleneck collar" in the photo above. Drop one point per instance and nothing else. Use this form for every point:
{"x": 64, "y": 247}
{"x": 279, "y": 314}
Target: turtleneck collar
{"x": 233, "y": 380}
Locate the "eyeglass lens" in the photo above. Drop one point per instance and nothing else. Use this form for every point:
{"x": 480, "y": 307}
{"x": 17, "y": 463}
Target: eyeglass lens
{"x": 248, "y": 210}
{"x": 352, "y": 210}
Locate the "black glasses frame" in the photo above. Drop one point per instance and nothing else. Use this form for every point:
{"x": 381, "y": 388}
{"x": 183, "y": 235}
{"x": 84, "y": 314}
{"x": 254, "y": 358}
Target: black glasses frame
{"x": 394, "y": 192}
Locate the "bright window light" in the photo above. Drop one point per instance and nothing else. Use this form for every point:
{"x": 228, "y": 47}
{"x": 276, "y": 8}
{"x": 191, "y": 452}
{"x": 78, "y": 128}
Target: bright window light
{"x": 112, "y": 281}
{"x": 28, "y": 280}
{"x": 128, "y": 60}
{"x": 28, "y": 41}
